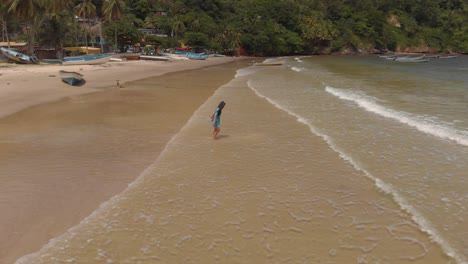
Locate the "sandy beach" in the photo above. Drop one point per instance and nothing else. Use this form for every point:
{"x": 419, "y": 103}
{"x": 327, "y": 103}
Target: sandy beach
{"x": 22, "y": 86}
{"x": 60, "y": 160}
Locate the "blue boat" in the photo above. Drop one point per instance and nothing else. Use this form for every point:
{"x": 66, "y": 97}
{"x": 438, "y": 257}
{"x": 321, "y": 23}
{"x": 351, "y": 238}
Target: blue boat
{"x": 196, "y": 56}
{"x": 192, "y": 55}
{"x": 71, "y": 78}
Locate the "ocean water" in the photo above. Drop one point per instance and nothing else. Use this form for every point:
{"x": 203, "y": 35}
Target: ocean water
{"x": 320, "y": 160}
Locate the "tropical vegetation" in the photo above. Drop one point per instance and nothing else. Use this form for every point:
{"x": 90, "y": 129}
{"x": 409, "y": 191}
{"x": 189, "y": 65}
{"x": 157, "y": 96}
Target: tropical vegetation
{"x": 255, "y": 27}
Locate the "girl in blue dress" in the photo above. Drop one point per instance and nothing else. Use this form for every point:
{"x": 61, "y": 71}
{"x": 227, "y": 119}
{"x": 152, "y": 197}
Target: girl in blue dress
{"x": 216, "y": 119}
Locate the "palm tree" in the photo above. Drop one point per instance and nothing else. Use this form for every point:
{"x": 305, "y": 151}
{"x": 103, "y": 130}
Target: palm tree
{"x": 29, "y": 11}
{"x": 113, "y": 10}
{"x": 177, "y": 26}
{"x": 54, "y": 7}
{"x": 85, "y": 9}
{"x": 4, "y": 15}
{"x": 229, "y": 39}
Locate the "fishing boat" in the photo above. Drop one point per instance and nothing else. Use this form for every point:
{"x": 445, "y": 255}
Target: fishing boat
{"x": 174, "y": 56}
{"x": 86, "y": 60}
{"x": 71, "y": 78}
{"x": 52, "y": 61}
{"x": 192, "y": 55}
{"x": 130, "y": 56}
{"x": 114, "y": 59}
{"x": 154, "y": 58}
{"x": 16, "y": 56}
{"x": 196, "y": 56}
{"x": 413, "y": 59}
{"x": 447, "y": 57}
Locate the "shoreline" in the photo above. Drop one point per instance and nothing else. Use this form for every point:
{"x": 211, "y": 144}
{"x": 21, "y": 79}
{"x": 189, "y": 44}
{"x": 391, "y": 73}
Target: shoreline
{"x": 94, "y": 164}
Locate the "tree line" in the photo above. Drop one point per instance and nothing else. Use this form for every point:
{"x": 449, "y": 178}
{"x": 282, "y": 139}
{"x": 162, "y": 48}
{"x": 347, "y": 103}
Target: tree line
{"x": 254, "y": 27}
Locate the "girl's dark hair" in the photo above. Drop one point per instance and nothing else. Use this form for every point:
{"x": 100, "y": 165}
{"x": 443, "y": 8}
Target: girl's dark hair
{"x": 221, "y": 105}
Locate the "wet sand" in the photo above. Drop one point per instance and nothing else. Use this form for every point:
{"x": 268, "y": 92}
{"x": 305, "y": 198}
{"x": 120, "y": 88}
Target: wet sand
{"x": 64, "y": 151}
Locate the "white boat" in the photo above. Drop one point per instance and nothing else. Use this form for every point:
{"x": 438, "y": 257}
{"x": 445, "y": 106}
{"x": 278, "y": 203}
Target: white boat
{"x": 417, "y": 59}
{"x": 117, "y": 59}
{"x": 447, "y": 57}
{"x": 86, "y": 60}
{"x": 409, "y": 58}
{"x": 174, "y": 56}
{"x": 154, "y": 58}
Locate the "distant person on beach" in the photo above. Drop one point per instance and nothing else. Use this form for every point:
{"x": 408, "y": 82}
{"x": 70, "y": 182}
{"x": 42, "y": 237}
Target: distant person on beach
{"x": 216, "y": 119}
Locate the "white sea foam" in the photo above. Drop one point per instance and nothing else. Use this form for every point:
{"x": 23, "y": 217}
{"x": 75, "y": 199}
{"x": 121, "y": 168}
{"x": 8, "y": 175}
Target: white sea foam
{"x": 423, "y": 124}
{"x": 297, "y": 69}
{"x": 423, "y": 224}
{"x": 244, "y": 72}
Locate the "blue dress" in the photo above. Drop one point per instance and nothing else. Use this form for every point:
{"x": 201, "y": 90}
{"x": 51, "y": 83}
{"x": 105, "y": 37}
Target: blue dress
{"x": 216, "y": 120}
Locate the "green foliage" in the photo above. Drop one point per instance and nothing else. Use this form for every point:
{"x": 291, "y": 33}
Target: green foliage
{"x": 153, "y": 40}
{"x": 199, "y": 41}
{"x": 124, "y": 31}
{"x": 259, "y": 27}
{"x": 54, "y": 31}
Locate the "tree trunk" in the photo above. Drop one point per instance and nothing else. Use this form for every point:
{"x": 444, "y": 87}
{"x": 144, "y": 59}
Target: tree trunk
{"x": 100, "y": 37}
{"x": 5, "y": 29}
{"x": 86, "y": 35}
{"x": 116, "y": 46}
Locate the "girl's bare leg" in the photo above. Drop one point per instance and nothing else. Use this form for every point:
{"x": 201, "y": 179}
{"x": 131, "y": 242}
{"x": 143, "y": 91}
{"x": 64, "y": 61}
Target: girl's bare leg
{"x": 215, "y": 132}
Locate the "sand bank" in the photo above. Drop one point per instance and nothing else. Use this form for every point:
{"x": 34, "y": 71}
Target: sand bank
{"x": 22, "y": 86}
{"x": 63, "y": 151}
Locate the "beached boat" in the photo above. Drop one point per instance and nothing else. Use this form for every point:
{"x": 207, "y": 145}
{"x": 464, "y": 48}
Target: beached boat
{"x": 447, "y": 57}
{"x": 273, "y": 63}
{"x": 52, "y": 61}
{"x": 115, "y": 59}
{"x": 86, "y": 60}
{"x": 130, "y": 56}
{"x": 175, "y": 56}
{"x": 16, "y": 56}
{"x": 192, "y": 55}
{"x": 414, "y": 59}
{"x": 71, "y": 78}
{"x": 154, "y": 58}
{"x": 196, "y": 56}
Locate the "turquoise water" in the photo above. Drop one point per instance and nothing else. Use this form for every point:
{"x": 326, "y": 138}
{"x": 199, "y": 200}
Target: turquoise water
{"x": 320, "y": 160}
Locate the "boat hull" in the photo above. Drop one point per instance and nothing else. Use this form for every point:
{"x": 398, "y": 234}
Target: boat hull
{"x": 86, "y": 60}
{"x": 71, "y": 78}
{"x": 130, "y": 57}
{"x": 16, "y": 56}
{"x": 154, "y": 58}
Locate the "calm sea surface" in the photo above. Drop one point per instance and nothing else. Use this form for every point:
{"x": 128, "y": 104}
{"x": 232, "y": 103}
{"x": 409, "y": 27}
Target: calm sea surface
{"x": 321, "y": 160}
